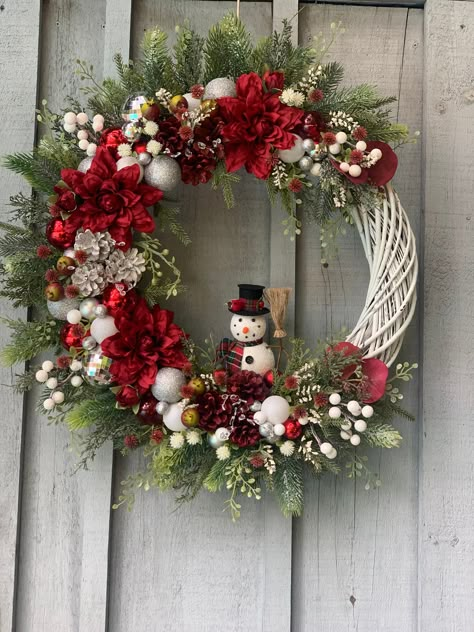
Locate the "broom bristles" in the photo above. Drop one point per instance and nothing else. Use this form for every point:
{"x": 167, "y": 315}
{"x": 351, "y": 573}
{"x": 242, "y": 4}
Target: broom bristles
{"x": 277, "y": 298}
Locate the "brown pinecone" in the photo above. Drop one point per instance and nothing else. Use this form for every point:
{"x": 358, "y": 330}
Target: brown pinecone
{"x": 248, "y": 385}
{"x": 213, "y": 411}
{"x": 245, "y": 434}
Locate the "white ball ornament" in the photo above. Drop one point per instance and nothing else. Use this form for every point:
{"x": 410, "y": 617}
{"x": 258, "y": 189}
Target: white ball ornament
{"x": 58, "y": 397}
{"x": 75, "y": 366}
{"x": 260, "y": 417}
{"x": 91, "y": 149}
{"x": 70, "y": 118}
{"x": 355, "y": 171}
{"x": 355, "y": 439}
{"x": 47, "y": 366}
{"x": 82, "y": 118}
{"x": 361, "y": 145}
{"x": 315, "y": 169}
{"x": 367, "y": 411}
{"x": 220, "y": 87}
{"x": 103, "y": 328}
{"x": 97, "y": 127}
{"x": 376, "y": 153}
{"x": 168, "y": 384}
{"x": 222, "y": 434}
{"x": 345, "y": 435}
{"x": 334, "y": 412}
{"x": 346, "y": 426}
{"x": 326, "y": 448}
{"x": 295, "y": 153}
{"x": 354, "y": 407}
{"x": 82, "y": 134}
{"x": 334, "y": 149}
{"x": 52, "y": 383}
{"x": 129, "y": 161}
{"x": 303, "y": 421}
{"x": 344, "y": 166}
{"x": 48, "y": 404}
{"x": 76, "y": 381}
{"x": 360, "y": 425}
{"x": 74, "y": 316}
{"x": 276, "y": 408}
{"x": 41, "y": 376}
{"x": 335, "y": 399}
{"x": 98, "y": 118}
{"x": 172, "y": 418}
{"x": 85, "y": 164}
{"x": 332, "y": 455}
{"x": 163, "y": 173}
{"x": 341, "y": 137}
{"x": 193, "y": 104}
{"x": 279, "y": 430}
{"x": 83, "y": 144}
{"x": 70, "y": 129}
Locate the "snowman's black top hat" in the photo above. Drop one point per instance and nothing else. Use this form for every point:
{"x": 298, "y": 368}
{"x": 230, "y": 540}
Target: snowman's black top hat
{"x": 250, "y": 301}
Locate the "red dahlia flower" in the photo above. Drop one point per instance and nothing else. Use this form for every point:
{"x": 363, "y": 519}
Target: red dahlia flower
{"x": 255, "y": 122}
{"x": 374, "y": 371}
{"x": 146, "y": 341}
{"x": 110, "y": 200}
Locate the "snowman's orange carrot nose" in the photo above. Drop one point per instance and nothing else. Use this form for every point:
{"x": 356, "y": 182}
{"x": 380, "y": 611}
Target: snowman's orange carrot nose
{"x": 245, "y": 330}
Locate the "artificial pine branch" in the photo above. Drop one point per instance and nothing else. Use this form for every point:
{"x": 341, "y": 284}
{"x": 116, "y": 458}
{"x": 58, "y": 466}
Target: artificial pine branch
{"x": 28, "y": 210}
{"x": 156, "y": 64}
{"x": 288, "y": 486}
{"x": 188, "y": 51}
{"x": 227, "y": 51}
{"x": 223, "y": 179}
{"x": 39, "y": 172}
{"x": 28, "y": 339}
{"x": 382, "y": 436}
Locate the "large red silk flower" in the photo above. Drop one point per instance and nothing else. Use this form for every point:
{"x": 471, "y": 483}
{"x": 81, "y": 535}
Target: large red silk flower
{"x": 147, "y": 340}
{"x": 375, "y": 371}
{"x": 111, "y": 200}
{"x": 256, "y": 121}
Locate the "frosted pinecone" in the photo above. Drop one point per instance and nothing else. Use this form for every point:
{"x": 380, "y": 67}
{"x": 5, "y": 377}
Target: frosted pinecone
{"x": 97, "y": 246}
{"x": 125, "y": 267}
{"x": 90, "y": 278}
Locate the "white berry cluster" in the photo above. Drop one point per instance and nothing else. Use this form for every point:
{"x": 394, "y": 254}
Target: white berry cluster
{"x": 351, "y": 413}
{"x": 47, "y": 376}
{"x": 311, "y": 81}
{"x": 72, "y": 121}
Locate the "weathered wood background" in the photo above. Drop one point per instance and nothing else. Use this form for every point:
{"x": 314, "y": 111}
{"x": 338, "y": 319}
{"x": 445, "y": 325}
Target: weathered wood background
{"x": 397, "y": 559}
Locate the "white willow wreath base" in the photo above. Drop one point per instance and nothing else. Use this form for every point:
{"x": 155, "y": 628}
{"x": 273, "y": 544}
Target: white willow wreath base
{"x": 390, "y": 249}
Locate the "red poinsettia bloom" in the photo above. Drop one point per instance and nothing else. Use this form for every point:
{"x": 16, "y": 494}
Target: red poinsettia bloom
{"x": 255, "y": 122}
{"x": 146, "y": 340}
{"x": 111, "y": 138}
{"x": 274, "y": 80}
{"x": 379, "y": 174}
{"x": 374, "y": 371}
{"x": 65, "y": 201}
{"x": 111, "y": 200}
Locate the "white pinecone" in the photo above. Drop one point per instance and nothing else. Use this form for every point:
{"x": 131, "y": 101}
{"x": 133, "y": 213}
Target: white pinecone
{"x": 89, "y": 278}
{"x": 125, "y": 267}
{"x": 97, "y": 246}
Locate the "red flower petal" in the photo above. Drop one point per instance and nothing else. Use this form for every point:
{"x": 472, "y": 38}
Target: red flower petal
{"x": 383, "y": 170}
{"x": 376, "y": 373}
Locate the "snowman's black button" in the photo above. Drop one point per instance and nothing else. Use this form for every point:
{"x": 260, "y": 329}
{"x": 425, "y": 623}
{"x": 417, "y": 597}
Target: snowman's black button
{"x": 249, "y": 360}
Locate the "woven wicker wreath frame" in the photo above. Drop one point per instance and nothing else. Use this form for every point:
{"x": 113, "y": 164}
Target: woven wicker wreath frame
{"x": 390, "y": 249}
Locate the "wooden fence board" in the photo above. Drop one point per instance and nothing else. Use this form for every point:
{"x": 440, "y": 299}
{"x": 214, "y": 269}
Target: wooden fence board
{"x": 19, "y": 23}
{"x": 446, "y": 572}
{"x": 354, "y": 554}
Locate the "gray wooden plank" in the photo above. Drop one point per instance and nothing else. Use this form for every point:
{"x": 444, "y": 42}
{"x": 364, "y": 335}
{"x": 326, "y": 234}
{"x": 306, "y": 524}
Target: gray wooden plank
{"x": 165, "y": 552}
{"x": 118, "y": 22}
{"x": 446, "y": 573}
{"x": 19, "y": 22}
{"x": 62, "y": 581}
{"x": 354, "y": 552}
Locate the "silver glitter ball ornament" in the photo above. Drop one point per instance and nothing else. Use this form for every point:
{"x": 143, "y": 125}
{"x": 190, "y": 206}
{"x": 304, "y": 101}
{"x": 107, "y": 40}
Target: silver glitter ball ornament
{"x": 222, "y": 434}
{"x": 163, "y": 173}
{"x": 214, "y": 442}
{"x": 59, "y": 309}
{"x": 266, "y": 430}
{"x": 308, "y": 144}
{"x": 256, "y": 406}
{"x": 144, "y": 158}
{"x": 220, "y": 87}
{"x": 89, "y": 343}
{"x": 133, "y": 107}
{"x": 131, "y": 131}
{"x": 100, "y": 311}
{"x": 87, "y": 307}
{"x": 167, "y": 386}
{"x": 162, "y": 407}
{"x": 96, "y": 368}
{"x": 305, "y": 163}
{"x": 85, "y": 164}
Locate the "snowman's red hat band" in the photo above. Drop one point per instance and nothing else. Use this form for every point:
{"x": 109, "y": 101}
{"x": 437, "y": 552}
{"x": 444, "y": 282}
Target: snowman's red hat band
{"x": 250, "y": 302}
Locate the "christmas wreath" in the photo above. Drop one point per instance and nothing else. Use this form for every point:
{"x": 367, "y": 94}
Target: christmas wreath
{"x": 87, "y": 259}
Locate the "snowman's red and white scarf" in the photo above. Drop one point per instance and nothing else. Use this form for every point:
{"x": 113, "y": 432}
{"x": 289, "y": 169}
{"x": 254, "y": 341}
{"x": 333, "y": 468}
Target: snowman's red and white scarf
{"x": 230, "y": 353}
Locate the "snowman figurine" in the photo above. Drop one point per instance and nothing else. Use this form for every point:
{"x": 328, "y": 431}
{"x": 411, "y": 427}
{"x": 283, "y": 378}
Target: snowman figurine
{"x": 248, "y": 351}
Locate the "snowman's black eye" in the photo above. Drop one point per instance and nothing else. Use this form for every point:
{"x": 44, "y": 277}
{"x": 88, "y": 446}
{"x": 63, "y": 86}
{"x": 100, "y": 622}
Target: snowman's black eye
{"x": 259, "y": 326}
{"x": 240, "y": 320}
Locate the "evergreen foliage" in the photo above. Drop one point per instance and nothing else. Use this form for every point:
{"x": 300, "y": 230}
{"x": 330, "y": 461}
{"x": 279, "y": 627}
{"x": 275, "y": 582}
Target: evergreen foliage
{"x": 227, "y": 50}
{"x": 28, "y": 339}
{"x": 288, "y": 486}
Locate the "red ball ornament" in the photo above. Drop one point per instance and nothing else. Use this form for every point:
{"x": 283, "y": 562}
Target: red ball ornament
{"x": 269, "y": 377}
{"x": 72, "y": 335}
{"x": 57, "y": 235}
{"x": 147, "y": 414}
{"x": 116, "y": 297}
{"x": 293, "y": 429}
